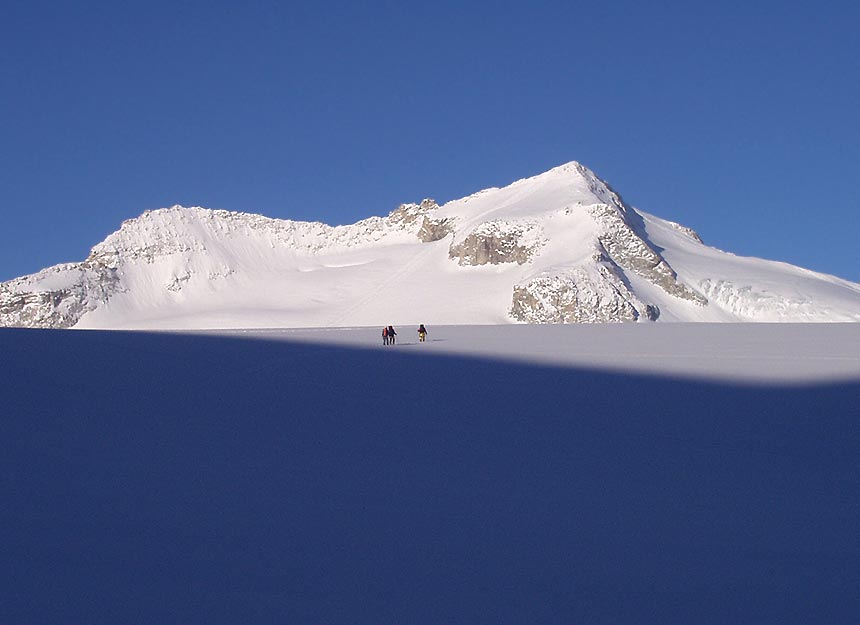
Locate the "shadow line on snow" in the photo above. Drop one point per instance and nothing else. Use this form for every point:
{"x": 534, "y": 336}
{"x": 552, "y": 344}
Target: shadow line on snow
{"x": 192, "y": 478}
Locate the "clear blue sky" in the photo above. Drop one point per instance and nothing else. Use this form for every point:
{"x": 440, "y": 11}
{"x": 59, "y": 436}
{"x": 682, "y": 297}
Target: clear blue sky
{"x": 739, "y": 119}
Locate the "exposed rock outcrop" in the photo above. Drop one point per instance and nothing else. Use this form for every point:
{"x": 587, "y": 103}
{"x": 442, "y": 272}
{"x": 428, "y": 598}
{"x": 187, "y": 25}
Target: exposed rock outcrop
{"x": 435, "y": 229}
{"x": 630, "y": 251}
{"x": 497, "y": 242}
{"x": 688, "y": 231}
{"x": 581, "y": 295}
{"x": 408, "y": 215}
{"x": 59, "y": 296}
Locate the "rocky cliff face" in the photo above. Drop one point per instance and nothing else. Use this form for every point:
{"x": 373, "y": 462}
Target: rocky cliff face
{"x": 497, "y": 242}
{"x": 581, "y": 295}
{"x": 59, "y": 296}
{"x": 630, "y": 251}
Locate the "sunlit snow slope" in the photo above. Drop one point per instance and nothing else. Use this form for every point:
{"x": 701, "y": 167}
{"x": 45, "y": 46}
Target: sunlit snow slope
{"x": 561, "y": 247}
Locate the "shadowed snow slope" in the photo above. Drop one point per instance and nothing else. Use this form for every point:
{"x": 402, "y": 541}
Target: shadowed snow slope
{"x": 170, "y": 478}
{"x": 560, "y": 247}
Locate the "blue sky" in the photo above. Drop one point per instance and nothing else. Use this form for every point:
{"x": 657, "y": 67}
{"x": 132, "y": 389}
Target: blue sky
{"x": 737, "y": 119}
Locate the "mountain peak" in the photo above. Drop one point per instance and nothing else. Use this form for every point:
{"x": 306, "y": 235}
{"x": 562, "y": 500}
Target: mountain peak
{"x": 558, "y": 247}
{"x": 571, "y": 167}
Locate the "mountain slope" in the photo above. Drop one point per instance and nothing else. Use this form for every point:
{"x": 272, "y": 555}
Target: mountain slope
{"x": 560, "y": 247}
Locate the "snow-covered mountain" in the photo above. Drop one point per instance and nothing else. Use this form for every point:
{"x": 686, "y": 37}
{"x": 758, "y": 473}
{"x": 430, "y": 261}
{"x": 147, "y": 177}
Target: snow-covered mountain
{"x": 560, "y": 247}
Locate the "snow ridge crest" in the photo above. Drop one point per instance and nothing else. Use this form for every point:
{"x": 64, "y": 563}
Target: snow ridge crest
{"x": 559, "y": 247}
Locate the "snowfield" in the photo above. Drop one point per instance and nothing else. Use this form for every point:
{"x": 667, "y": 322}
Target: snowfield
{"x": 739, "y": 353}
{"x": 546, "y": 474}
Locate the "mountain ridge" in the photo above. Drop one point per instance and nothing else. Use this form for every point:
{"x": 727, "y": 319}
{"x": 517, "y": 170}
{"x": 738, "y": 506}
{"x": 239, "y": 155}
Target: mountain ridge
{"x": 558, "y": 247}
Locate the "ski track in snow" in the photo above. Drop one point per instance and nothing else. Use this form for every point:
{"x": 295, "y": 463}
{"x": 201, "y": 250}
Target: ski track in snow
{"x": 343, "y": 317}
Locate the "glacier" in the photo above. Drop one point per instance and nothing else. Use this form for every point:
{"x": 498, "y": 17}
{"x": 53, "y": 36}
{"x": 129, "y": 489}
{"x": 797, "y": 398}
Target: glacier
{"x": 559, "y": 247}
